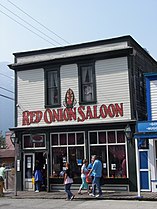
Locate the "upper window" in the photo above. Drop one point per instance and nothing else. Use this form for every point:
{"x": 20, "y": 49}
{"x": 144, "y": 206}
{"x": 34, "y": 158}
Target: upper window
{"x": 52, "y": 79}
{"x": 87, "y": 83}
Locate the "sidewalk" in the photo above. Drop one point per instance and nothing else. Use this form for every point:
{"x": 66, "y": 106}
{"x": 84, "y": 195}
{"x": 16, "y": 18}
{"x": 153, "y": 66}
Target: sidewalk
{"x": 107, "y": 195}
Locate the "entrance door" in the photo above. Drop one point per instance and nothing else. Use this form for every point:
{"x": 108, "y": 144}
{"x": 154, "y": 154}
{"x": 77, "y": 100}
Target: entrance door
{"x": 29, "y": 160}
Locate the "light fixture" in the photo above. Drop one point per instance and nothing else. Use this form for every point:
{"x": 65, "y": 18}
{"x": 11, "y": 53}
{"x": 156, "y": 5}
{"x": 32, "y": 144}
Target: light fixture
{"x": 13, "y": 138}
{"x": 128, "y": 132}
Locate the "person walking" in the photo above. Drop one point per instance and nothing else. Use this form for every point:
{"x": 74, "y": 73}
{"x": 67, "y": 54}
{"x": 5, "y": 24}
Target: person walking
{"x": 84, "y": 172}
{"x": 37, "y": 176}
{"x": 68, "y": 180}
{"x": 2, "y": 174}
{"x": 97, "y": 173}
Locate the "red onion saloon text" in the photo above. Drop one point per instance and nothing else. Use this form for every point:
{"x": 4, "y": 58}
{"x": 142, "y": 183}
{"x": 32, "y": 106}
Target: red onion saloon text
{"x": 79, "y": 114}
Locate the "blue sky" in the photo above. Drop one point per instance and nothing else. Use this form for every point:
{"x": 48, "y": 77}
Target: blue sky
{"x": 76, "y": 21}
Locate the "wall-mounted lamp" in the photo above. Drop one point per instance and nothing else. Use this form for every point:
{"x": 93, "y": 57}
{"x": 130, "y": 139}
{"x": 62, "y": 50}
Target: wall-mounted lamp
{"x": 13, "y": 138}
{"x": 128, "y": 132}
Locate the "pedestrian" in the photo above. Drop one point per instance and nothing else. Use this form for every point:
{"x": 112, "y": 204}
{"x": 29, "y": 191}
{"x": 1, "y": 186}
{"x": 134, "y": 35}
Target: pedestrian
{"x": 2, "y": 173}
{"x": 97, "y": 173}
{"x": 68, "y": 180}
{"x": 90, "y": 165}
{"x": 37, "y": 176}
{"x": 84, "y": 172}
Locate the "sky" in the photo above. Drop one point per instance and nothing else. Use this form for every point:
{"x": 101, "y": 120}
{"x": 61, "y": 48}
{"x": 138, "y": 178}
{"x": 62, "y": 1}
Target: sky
{"x": 73, "y": 22}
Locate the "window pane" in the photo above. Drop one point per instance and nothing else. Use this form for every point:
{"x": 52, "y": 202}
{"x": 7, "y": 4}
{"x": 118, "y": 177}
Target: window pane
{"x": 71, "y": 139}
{"x": 111, "y": 137}
{"x": 117, "y": 161}
{"x": 102, "y": 137}
{"x": 87, "y": 83}
{"x": 100, "y": 151}
{"x": 120, "y": 137}
{"x": 63, "y": 140}
{"x": 53, "y": 90}
{"x": 27, "y": 142}
{"x": 88, "y": 92}
{"x": 54, "y": 139}
{"x": 59, "y": 159}
{"x": 93, "y": 137}
{"x": 80, "y": 138}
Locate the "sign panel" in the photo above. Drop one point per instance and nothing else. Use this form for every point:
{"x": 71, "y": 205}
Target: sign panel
{"x": 147, "y": 126}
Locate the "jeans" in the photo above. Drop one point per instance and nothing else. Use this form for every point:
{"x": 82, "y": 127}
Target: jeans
{"x": 67, "y": 190}
{"x": 96, "y": 184}
{"x": 37, "y": 185}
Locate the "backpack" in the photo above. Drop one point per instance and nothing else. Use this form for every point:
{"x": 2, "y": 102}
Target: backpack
{"x": 71, "y": 175}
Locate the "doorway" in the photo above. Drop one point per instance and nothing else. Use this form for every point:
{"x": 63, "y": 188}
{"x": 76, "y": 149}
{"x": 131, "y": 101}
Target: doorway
{"x": 28, "y": 171}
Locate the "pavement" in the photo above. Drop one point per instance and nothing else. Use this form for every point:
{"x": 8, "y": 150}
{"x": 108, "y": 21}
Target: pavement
{"x": 107, "y": 195}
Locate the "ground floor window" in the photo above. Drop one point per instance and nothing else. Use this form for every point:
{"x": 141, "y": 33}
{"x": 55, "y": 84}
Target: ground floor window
{"x": 110, "y": 146}
{"x": 67, "y": 147}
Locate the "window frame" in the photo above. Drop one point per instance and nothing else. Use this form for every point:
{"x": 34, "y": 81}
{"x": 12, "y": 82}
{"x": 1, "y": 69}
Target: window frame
{"x": 80, "y": 66}
{"x": 47, "y": 70}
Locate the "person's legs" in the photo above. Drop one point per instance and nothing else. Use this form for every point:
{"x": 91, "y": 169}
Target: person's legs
{"x": 67, "y": 190}
{"x": 97, "y": 183}
{"x": 93, "y": 186}
{"x": 37, "y": 185}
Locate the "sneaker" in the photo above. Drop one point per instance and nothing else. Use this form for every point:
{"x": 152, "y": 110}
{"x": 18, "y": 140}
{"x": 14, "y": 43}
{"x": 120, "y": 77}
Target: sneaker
{"x": 72, "y": 197}
{"x": 98, "y": 195}
{"x": 79, "y": 192}
{"x": 91, "y": 194}
{"x": 36, "y": 190}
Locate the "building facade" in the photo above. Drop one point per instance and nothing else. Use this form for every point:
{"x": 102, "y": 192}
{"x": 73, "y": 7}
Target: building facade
{"x": 75, "y": 101}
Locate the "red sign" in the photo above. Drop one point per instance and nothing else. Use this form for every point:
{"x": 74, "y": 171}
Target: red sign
{"x": 80, "y": 114}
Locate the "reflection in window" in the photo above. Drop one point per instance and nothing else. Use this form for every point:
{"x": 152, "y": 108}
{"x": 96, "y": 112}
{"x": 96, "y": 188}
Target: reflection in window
{"x": 120, "y": 137}
{"x": 34, "y": 141}
{"x": 63, "y": 140}
{"x": 102, "y": 137}
{"x": 116, "y": 157}
{"x": 54, "y": 139}
{"x": 80, "y": 138}
{"x": 111, "y": 137}
{"x": 71, "y": 138}
{"x": 93, "y": 137}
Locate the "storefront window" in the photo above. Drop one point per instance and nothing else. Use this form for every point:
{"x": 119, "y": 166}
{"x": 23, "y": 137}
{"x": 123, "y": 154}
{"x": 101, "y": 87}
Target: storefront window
{"x": 70, "y": 148}
{"x": 112, "y": 152}
{"x": 34, "y": 141}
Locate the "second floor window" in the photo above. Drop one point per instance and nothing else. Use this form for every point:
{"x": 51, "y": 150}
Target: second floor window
{"x": 52, "y": 87}
{"x": 87, "y": 83}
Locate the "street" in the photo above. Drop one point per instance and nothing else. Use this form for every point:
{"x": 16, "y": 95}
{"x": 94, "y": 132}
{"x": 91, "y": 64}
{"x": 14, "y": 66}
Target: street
{"x": 75, "y": 204}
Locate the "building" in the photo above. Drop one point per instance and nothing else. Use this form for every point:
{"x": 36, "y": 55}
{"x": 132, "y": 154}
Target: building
{"x": 76, "y": 101}
{"x": 147, "y": 137}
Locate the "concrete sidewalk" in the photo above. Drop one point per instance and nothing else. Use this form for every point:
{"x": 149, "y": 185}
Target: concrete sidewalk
{"x": 108, "y": 195}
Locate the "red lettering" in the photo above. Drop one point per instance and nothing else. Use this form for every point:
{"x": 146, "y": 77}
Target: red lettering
{"x": 48, "y": 116}
{"x": 38, "y": 118}
{"x": 95, "y": 112}
{"x": 111, "y": 110}
{"x": 25, "y": 120}
{"x": 119, "y": 110}
{"x": 103, "y": 111}
{"x": 89, "y": 113}
{"x": 81, "y": 113}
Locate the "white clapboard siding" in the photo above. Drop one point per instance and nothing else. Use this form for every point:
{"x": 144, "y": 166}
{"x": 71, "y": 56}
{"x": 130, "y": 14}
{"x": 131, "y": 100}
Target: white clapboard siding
{"x": 111, "y": 81}
{"x": 30, "y": 90}
{"x": 153, "y": 97}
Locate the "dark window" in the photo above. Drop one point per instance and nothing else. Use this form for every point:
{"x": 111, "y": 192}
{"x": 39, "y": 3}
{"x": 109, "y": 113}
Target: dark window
{"x": 87, "y": 83}
{"x": 52, "y": 79}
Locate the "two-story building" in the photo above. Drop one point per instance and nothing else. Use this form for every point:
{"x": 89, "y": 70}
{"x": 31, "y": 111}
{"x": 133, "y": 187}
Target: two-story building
{"x": 75, "y": 101}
